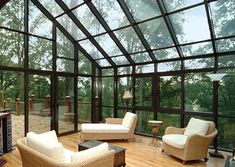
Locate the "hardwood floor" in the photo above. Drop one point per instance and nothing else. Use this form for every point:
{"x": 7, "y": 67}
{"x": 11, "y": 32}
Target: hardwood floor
{"x": 138, "y": 154}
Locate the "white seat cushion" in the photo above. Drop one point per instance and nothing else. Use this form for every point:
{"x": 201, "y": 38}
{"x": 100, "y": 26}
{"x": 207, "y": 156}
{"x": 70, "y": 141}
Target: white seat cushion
{"x": 103, "y": 128}
{"x": 90, "y": 153}
{"x": 128, "y": 120}
{"x": 197, "y": 126}
{"x": 175, "y": 140}
{"x": 49, "y": 148}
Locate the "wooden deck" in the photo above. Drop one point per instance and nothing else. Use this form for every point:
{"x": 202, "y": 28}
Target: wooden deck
{"x": 138, "y": 154}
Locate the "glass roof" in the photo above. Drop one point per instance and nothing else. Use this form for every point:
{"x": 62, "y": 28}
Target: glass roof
{"x": 120, "y": 33}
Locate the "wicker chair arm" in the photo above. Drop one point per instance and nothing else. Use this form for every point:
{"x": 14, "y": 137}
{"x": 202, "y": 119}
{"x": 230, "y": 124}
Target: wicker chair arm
{"x": 113, "y": 120}
{"x": 174, "y": 130}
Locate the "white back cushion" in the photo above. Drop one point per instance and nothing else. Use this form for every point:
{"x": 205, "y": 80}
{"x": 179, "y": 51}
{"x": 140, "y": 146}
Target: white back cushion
{"x": 197, "y": 126}
{"x": 128, "y": 119}
{"x": 48, "y": 147}
{"x": 90, "y": 153}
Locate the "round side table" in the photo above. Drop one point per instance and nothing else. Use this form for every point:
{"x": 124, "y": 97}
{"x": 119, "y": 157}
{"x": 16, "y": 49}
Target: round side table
{"x": 155, "y": 127}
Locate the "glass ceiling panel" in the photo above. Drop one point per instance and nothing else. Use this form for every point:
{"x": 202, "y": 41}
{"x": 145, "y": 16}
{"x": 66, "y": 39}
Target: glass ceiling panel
{"x": 141, "y": 57}
{"x": 73, "y": 3}
{"x": 52, "y": 7}
{"x": 120, "y": 60}
{"x": 108, "y": 45}
{"x": 143, "y": 9}
{"x": 91, "y": 49}
{"x": 103, "y": 63}
{"x": 191, "y": 25}
{"x": 129, "y": 40}
{"x": 111, "y": 12}
{"x": 197, "y": 49}
{"x": 71, "y": 27}
{"x": 172, "y": 5}
{"x": 223, "y": 26}
{"x": 88, "y": 20}
{"x": 225, "y": 45}
{"x": 156, "y": 33}
{"x": 166, "y": 53}
{"x": 169, "y": 66}
{"x": 199, "y": 63}
{"x": 147, "y": 68}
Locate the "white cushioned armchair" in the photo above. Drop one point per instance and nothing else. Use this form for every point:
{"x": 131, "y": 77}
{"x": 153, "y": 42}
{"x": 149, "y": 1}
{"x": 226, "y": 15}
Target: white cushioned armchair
{"x": 44, "y": 150}
{"x": 113, "y": 128}
{"x": 190, "y": 143}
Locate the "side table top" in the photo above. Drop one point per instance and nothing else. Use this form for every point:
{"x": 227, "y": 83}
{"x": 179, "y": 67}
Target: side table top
{"x": 155, "y": 122}
{"x": 93, "y": 143}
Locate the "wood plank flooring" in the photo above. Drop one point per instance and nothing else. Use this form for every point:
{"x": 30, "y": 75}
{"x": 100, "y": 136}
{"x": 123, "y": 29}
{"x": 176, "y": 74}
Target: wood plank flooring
{"x": 138, "y": 154}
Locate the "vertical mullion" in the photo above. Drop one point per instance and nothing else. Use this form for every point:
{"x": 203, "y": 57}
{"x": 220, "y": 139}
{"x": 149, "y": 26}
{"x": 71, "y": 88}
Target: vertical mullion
{"x": 76, "y": 59}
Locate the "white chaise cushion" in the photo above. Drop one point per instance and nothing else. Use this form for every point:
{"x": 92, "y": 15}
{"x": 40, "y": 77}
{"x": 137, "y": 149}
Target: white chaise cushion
{"x": 175, "y": 140}
{"x": 197, "y": 126}
{"x": 128, "y": 120}
{"x": 90, "y": 153}
{"x": 50, "y": 148}
{"x": 103, "y": 128}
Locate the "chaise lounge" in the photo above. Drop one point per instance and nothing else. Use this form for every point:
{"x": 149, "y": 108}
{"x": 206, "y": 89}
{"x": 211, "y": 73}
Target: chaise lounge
{"x": 113, "y": 128}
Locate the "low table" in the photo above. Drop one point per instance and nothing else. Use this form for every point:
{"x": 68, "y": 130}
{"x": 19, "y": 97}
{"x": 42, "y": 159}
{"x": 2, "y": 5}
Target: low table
{"x": 229, "y": 162}
{"x": 119, "y": 157}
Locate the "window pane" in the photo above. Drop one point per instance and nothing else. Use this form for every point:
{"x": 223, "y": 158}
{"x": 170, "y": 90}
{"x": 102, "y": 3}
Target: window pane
{"x": 172, "y": 5}
{"x": 103, "y": 63}
{"x": 198, "y": 93}
{"x": 191, "y": 25}
{"x": 39, "y": 24}
{"x": 199, "y": 63}
{"x": 72, "y": 3}
{"x": 40, "y": 53}
{"x": 91, "y": 49}
{"x": 124, "y": 83}
{"x": 129, "y": 40}
{"x": 52, "y": 7}
{"x": 71, "y": 27}
{"x": 142, "y": 10}
{"x": 166, "y": 54}
{"x": 226, "y": 61}
{"x": 112, "y": 13}
{"x": 89, "y": 21}
{"x": 169, "y": 66}
{"x": 39, "y": 103}
{"x": 124, "y": 70}
{"x": 108, "y": 72}
{"x": 120, "y": 60}
{"x": 223, "y": 26}
{"x": 84, "y": 99}
{"x": 12, "y": 15}
{"x": 107, "y": 112}
{"x": 156, "y": 33}
{"x": 106, "y": 42}
{"x": 148, "y": 68}
{"x": 142, "y": 122}
{"x": 141, "y": 57}
{"x": 11, "y": 48}
{"x": 227, "y": 95}
{"x": 225, "y": 45}
{"x": 107, "y": 91}
{"x": 197, "y": 49}
{"x": 84, "y": 65}
{"x": 143, "y": 93}
{"x": 226, "y": 133}
{"x": 168, "y": 120}
{"x": 170, "y": 92}
{"x": 65, "y": 104}
{"x": 65, "y": 48}
{"x": 64, "y": 65}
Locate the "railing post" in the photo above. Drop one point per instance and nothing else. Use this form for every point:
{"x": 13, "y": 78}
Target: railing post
{"x": 68, "y": 104}
{"x": 18, "y": 110}
{"x": 8, "y": 103}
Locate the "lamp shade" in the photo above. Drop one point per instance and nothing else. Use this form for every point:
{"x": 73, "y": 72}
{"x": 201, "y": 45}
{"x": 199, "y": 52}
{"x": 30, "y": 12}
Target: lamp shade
{"x": 127, "y": 95}
{"x": 216, "y": 77}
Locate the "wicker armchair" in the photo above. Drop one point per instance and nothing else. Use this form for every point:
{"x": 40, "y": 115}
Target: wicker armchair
{"x": 193, "y": 148}
{"x": 32, "y": 158}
